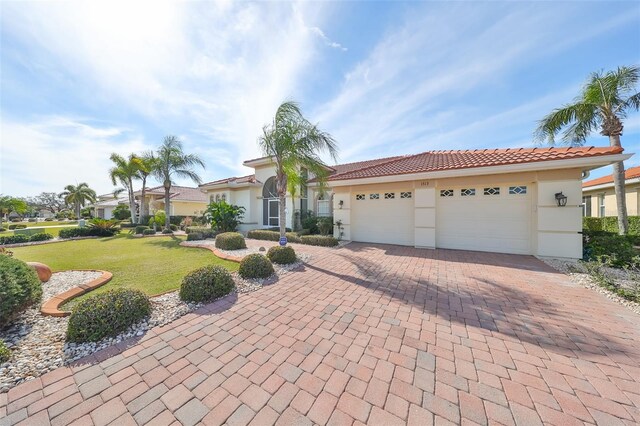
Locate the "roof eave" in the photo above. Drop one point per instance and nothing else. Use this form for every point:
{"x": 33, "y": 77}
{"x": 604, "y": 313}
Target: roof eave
{"x": 586, "y": 163}
{"x": 607, "y": 185}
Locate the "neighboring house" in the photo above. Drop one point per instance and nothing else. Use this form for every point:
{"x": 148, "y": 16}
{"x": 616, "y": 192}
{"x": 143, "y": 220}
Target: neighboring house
{"x": 496, "y": 200}
{"x": 45, "y": 214}
{"x": 103, "y": 207}
{"x": 599, "y": 196}
{"x": 185, "y": 201}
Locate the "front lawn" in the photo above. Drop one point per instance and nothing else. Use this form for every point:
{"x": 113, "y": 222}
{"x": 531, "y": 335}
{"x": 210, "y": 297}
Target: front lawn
{"x": 154, "y": 265}
{"x": 53, "y": 230}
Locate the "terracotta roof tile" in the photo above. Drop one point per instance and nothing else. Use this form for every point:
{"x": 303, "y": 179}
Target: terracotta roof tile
{"x": 431, "y": 161}
{"x": 179, "y": 193}
{"x": 243, "y": 179}
{"x": 630, "y": 173}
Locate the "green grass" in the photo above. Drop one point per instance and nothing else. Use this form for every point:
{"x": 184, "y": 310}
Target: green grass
{"x": 6, "y": 224}
{"x": 52, "y": 231}
{"x": 154, "y": 265}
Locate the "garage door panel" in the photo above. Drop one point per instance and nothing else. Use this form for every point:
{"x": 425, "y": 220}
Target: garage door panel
{"x": 386, "y": 221}
{"x": 499, "y": 223}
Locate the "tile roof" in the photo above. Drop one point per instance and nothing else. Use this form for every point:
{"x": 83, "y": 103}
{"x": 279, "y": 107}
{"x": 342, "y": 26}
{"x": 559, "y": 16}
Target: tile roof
{"x": 179, "y": 193}
{"x": 243, "y": 179}
{"x": 431, "y": 161}
{"x": 630, "y": 173}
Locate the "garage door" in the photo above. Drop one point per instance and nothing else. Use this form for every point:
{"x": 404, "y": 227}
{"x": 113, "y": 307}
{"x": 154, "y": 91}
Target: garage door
{"x": 485, "y": 218}
{"x": 382, "y": 217}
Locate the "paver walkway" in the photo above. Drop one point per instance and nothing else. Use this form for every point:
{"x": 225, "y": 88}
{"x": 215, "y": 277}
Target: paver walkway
{"x": 368, "y": 334}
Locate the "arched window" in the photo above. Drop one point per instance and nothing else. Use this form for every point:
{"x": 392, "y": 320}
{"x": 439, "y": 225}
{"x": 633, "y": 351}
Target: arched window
{"x": 270, "y": 203}
{"x": 224, "y": 197}
{"x": 217, "y": 197}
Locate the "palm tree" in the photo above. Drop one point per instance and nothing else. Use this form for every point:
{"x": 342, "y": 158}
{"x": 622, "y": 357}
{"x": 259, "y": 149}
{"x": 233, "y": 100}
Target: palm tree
{"x": 294, "y": 143}
{"x": 603, "y": 104}
{"x": 147, "y": 164}
{"x": 124, "y": 171}
{"x": 78, "y": 196}
{"x": 172, "y": 162}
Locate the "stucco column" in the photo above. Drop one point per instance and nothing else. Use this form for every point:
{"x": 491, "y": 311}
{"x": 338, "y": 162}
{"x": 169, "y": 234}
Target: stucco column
{"x": 558, "y": 227}
{"x": 342, "y": 213}
{"x": 425, "y": 217}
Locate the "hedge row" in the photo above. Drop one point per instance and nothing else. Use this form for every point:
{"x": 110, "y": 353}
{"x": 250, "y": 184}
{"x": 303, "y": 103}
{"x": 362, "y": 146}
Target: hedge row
{"x": 311, "y": 240}
{"x": 19, "y": 238}
{"x": 610, "y": 224}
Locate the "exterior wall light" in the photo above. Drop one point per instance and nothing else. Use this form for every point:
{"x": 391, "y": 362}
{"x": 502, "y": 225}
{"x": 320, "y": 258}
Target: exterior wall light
{"x": 561, "y": 199}
{"x": 341, "y": 203}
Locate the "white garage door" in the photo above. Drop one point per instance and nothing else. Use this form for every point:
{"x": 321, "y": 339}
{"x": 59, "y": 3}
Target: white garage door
{"x": 382, "y": 217}
{"x": 484, "y": 218}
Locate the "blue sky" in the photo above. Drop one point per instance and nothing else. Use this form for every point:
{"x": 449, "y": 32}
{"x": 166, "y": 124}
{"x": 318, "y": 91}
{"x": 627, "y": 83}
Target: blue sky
{"x": 80, "y": 80}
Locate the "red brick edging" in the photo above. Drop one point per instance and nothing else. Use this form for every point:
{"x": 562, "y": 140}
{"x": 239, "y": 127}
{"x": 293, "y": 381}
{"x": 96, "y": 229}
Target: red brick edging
{"x": 51, "y": 306}
{"x": 215, "y": 251}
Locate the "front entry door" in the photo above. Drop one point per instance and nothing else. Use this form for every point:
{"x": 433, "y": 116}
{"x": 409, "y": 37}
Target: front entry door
{"x": 274, "y": 215}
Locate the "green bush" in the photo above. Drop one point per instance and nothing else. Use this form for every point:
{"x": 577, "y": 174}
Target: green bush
{"x": 48, "y": 219}
{"x": 195, "y": 236}
{"x": 19, "y": 287}
{"x": 173, "y": 227}
{"x": 310, "y": 223}
{"x": 619, "y": 248}
{"x": 176, "y": 220}
{"x": 128, "y": 225}
{"x": 14, "y": 239}
{"x": 303, "y": 232}
{"x": 32, "y": 219}
{"x": 2, "y": 229}
{"x": 18, "y": 226}
{"x": 282, "y": 255}
{"x": 319, "y": 240}
{"x": 224, "y": 217}
{"x": 121, "y": 212}
{"x": 158, "y": 218}
{"x": 103, "y": 228}
{"x": 206, "y": 231}
{"x": 74, "y": 233}
{"x": 141, "y": 228}
{"x": 42, "y": 236}
{"x": 325, "y": 225}
{"x": 277, "y": 229}
{"x": 610, "y": 224}
{"x": 206, "y": 284}
{"x": 5, "y": 352}
{"x": 266, "y": 235}
{"x": 149, "y": 232}
{"x": 107, "y": 314}
{"x": 167, "y": 231}
{"x": 230, "y": 241}
{"x": 255, "y": 266}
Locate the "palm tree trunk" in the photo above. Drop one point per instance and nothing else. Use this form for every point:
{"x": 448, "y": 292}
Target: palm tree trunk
{"x": 167, "y": 204}
{"x": 281, "y": 187}
{"x": 618, "y": 183}
{"x": 144, "y": 208}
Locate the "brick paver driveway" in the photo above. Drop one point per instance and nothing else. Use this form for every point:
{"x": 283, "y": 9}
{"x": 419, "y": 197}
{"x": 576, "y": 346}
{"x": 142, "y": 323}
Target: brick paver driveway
{"x": 368, "y": 334}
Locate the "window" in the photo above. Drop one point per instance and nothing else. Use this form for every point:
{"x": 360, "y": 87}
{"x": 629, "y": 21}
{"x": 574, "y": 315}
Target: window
{"x": 211, "y": 198}
{"x": 517, "y": 190}
{"x": 270, "y": 203}
{"x": 467, "y": 192}
{"x": 586, "y": 206}
{"x": 405, "y": 195}
{"x": 217, "y": 197}
{"x": 492, "y": 191}
{"x": 359, "y": 197}
{"x": 601, "y": 209}
{"x": 224, "y": 197}
{"x": 446, "y": 192}
{"x": 374, "y": 196}
{"x": 389, "y": 195}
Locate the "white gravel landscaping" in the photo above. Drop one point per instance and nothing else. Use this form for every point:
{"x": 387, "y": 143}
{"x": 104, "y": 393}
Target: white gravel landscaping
{"x": 577, "y": 272}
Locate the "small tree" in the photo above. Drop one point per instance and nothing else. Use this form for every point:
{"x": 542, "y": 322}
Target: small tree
{"x": 223, "y": 216}
{"x": 78, "y": 196}
{"x": 11, "y": 204}
{"x": 158, "y": 219}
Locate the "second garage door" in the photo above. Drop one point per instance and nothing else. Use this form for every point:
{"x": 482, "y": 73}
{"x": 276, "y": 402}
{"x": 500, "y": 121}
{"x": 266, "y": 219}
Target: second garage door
{"x": 383, "y": 217}
{"x": 487, "y": 218}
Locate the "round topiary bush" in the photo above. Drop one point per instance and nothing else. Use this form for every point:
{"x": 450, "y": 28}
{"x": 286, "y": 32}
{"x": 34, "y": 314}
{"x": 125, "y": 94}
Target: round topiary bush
{"x": 195, "y": 236}
{"x": 230, "y": 241}
{"x": 149, "y": 232}
{"x": 255, "y": 265}
{"x": 5, "y": 352}
{"x": 282, "y": 255}
{"x": 107, "y": 314}
{"x": 19, "y": 287}
{"x": 167, "y": 231}
{"x": 206, "y": 284}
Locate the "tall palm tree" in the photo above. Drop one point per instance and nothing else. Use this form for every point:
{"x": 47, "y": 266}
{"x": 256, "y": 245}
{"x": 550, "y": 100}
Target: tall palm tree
{"x": 602, "y": 105}
{"x": 124, "y": 172}
{"x": 78, "y": 196}
{"x": 172, "y": 162}
{"x": 294, "y": 143}
{"x": 147, "y": 165}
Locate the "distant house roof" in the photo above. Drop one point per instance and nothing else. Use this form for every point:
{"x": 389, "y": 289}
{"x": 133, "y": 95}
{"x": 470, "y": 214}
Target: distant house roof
{"x": 178, "y": 193}
{"x": 111, "y": 203}
{"x": 243, "y": 179}
{"x": 630, "y": 173}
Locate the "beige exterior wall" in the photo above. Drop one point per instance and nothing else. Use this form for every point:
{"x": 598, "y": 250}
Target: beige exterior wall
{"x": 610, "y": 200}
{"x": 553, "y": 230}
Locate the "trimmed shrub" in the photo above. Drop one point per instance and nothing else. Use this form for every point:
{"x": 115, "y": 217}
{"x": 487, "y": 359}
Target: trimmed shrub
{"x": 319, "y": 240}
{"x": 5, "y": 352}
{"x": 167, "y": 231}
{"x": 282, "y": 255}
{"x": 310, "y": 223}
{"x": 107, "y": 314}
{"x": 48, "y": 219}
{"x": 325, "y": 225}
{"x": 14, "y": 239}
{"x": 610, "y": 224}
{"x": 2, "y": 229}
{"x": 255, "y": 266}
{"x": 19, "y": 287}
{"x": 206, "y": 231}
{"x": 141, "y": 228}
{"x": 206, "y": 284}
{"x": 149, "y": 232}
{"x": 195, "y": 236}
{"x": 33, "y": 219}
{"x": 42, "y": 236}
{"x": 230, "y": 241}
{"x": 618, "y": 248}
{"x": 303, "y": 232}
{"x": 277, "y": 229}
{"x": 128, "y": 225}
{"x": 173, "y": 227}
{"x": 261, "y": 234}
{"x": 18, "y": 226}
{"x": 176, "y": 220}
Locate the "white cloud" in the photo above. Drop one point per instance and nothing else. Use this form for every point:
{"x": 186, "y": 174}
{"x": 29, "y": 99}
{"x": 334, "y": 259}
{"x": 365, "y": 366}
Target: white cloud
{"x": 326, "y": 39}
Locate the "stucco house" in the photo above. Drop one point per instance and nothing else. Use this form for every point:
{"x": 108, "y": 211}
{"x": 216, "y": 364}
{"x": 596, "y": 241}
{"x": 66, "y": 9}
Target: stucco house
{"x": 599, "y": 195}
{"x": 496, "y": 200}
{"x": 103, "y": 207}
{"x": 185, "y": 200}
